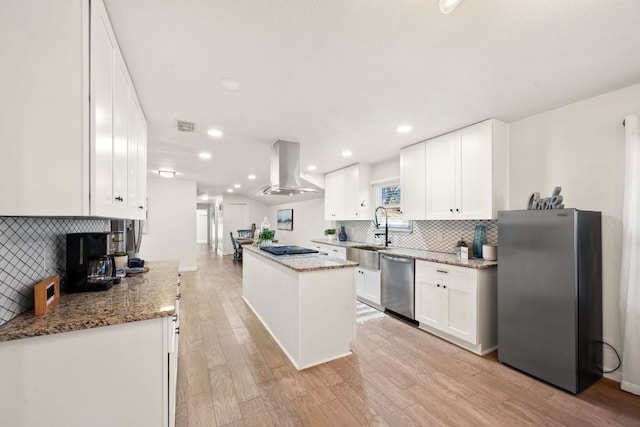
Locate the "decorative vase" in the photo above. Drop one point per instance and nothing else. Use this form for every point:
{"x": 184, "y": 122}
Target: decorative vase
{"x": 342, "y": 236}
{"x": 479, "y": 239}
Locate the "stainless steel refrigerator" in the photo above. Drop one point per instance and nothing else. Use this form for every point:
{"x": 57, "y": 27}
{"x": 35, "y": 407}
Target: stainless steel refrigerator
{"x": 550, "y": 295}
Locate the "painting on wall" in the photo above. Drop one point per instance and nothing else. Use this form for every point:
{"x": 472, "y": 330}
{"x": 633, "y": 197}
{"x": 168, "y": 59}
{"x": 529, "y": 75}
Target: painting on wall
{"x": 285, "y": 219}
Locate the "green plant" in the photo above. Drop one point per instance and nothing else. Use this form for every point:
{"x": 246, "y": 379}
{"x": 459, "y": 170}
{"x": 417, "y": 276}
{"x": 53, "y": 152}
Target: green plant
{"x": 329, "y": 231}
{"x": 267, "y": 234}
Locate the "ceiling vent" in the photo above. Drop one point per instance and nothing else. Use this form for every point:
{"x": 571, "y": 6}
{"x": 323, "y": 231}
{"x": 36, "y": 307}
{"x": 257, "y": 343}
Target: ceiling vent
{"x": 184, "y": 126}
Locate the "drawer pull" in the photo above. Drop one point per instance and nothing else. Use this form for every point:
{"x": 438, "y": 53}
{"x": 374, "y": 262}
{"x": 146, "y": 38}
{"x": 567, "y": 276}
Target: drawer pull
{"x": 442, "y": 271}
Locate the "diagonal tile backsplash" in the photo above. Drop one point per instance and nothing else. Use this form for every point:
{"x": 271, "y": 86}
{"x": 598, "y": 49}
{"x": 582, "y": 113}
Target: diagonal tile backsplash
{"x": 439, "y": 236}
{"x": 32, "y": 249}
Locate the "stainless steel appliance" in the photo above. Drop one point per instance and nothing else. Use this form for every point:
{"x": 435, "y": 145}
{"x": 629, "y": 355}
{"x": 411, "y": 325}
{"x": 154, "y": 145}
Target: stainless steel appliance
{"x": 130, "y": 237}
{"x": 550, "y": 295}
{"x": 89, "y": 262}
{"x": 397, "y": 284}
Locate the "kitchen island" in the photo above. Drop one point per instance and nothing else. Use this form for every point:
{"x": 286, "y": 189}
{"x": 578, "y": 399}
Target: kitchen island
{"x": 306, "y": 302}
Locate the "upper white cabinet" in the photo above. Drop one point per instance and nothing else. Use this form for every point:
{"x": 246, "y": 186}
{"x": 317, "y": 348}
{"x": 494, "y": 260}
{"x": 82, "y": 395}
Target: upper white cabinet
{"x": 466, "y": 174}
{"x": 459, "y": 175}
{"x": 347, "y": 193}
{"x": 413, "y": 181}
{"x": 74, "y": 145}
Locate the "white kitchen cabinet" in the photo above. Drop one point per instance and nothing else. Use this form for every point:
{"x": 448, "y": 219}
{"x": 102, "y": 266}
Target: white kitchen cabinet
{"x": 348, "y": 193}
{"x": 413, "y": 181}
{"x": 68, "y": 153}
{"x": 331, "y": 250}
{"x": 78, "y": 378}
{"x": 458, "y": 304}
{"x": 466, "y": 174}
{"x": 368, "y": 285}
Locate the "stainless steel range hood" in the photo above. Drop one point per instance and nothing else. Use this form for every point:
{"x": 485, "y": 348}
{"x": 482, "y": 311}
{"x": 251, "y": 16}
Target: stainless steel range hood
{"x": 285, "y": 172}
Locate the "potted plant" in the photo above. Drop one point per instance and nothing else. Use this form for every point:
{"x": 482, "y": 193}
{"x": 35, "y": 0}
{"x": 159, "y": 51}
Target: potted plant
{"x": 266, "y": 237}
{"x": 330, "y": 233}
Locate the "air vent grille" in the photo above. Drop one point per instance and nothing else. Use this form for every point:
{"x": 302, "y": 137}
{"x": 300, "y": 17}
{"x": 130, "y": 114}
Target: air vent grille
{"x": 184, "y": 126}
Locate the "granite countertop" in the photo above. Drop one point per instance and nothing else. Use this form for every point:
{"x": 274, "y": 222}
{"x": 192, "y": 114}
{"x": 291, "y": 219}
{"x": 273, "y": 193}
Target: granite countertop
{"x": 304, "y": 262}
{"x": 441, "y": 257}
{"x": 145, "y": 296}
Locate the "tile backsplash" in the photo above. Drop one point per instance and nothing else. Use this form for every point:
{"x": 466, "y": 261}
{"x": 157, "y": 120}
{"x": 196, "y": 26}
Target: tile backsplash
{"x": 32, "y": 249}
{"x": 439, "y": 236}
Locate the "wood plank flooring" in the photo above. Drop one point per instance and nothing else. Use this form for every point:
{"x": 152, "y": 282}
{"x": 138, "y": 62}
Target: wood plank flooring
{"x": 232, "y": 373}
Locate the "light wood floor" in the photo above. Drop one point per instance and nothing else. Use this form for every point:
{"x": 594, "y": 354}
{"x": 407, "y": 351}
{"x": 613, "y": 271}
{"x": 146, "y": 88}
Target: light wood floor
{"x": 231, "y": 372}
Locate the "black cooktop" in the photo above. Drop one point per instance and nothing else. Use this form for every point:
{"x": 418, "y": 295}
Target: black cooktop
{"x": 288, "y": 250}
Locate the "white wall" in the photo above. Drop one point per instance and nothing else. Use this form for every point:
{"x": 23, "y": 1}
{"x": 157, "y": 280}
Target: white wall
{"x": 308, "y": 222}
{"x": 580, "y": 147}
{"x": 171, "y": 226}
{"x": 386, "y": 169}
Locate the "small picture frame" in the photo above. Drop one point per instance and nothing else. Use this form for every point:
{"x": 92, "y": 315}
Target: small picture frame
{"x": 285, "y": 219}
{"x": 46, "y": 294}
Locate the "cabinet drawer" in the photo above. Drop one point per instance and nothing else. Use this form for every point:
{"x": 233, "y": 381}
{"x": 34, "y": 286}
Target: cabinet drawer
{"x": 330, "y": 250}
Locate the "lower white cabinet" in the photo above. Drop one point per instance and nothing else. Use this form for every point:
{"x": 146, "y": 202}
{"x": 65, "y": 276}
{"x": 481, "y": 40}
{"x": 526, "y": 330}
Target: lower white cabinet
{"x": 368, "y": 285}
{"x": 458, "y": 304}
{"x": 331, "y": 250}
{"x": 118, "y": 375}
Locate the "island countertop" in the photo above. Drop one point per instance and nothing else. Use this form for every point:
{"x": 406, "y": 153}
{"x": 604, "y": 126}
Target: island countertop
{"x": 302, "y": 263}
{"x": 441, "y": 257}
{"x": 145, "y": 296}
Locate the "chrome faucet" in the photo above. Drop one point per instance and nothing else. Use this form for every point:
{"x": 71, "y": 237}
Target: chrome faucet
{"x": 386, "y": 224}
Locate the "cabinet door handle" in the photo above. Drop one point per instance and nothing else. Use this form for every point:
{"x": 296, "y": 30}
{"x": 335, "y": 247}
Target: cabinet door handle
{"x": 120, "y": 199}
{"x": 178, "y": 330}
{"x": 451, "y": 210}
{"x": 438, "y": 285}
{"x": 175, "y": 317}
{"x": 442, "y": 271}
{"x": 457, "y": 210}
{"x": 178, "y": 296}
{"x": 444, "y": 287}
{"x": 140, "y": 207}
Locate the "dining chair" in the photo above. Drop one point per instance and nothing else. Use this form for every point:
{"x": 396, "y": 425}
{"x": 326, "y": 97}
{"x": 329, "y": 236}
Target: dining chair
{"x": 237, "y": 249}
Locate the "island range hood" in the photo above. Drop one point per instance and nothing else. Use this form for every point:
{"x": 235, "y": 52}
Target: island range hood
{"x": 285, "y": 172}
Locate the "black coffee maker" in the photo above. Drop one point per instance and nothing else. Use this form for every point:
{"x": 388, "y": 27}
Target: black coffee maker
{"x": 90, "y": 265}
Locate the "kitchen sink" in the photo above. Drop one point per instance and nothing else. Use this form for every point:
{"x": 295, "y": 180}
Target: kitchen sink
{"x": 371, "y": 248}
{"x": 366, "y": 256}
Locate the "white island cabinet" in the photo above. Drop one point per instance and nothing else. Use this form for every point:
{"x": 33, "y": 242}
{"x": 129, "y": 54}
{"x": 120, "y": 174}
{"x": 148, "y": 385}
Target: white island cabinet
{"x": 77, "y": 140}
{"x": 307, "y": 303}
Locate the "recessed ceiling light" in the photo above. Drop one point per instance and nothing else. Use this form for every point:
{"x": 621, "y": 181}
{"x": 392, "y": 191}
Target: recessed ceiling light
{"x": 229, "y": 84}
{"x": 404, "y": 129}
{"x": 347, "y": 153}
{"x": 447, "y": 6}
{"x": 251, "y": 177}
{"x": 166, "y": 173}
{"x": 205, "y": 156}
{"x": 230, "y": 190}
{"x": 214, "y": 133}
{"x": 236, "y": 185}
{"x": 311, "y": 167}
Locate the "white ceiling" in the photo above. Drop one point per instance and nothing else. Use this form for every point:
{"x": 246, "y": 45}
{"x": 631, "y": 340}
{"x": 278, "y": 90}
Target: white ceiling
{"x": 343, "y": 74}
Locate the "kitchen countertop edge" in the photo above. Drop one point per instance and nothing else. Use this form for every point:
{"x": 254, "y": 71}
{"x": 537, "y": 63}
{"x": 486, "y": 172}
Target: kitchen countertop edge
{"x": 419, "y": 254}
{"x": 143, "y": 297}
{"x": 304, "y": 263}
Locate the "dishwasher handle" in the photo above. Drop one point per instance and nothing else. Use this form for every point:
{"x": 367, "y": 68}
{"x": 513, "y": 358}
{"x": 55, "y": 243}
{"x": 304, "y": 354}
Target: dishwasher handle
{"x": 397, "y": 259}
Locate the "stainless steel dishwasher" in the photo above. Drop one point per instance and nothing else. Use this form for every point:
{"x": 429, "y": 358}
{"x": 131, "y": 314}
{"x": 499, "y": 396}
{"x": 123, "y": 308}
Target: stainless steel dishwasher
{"x": 398, "y": 288}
